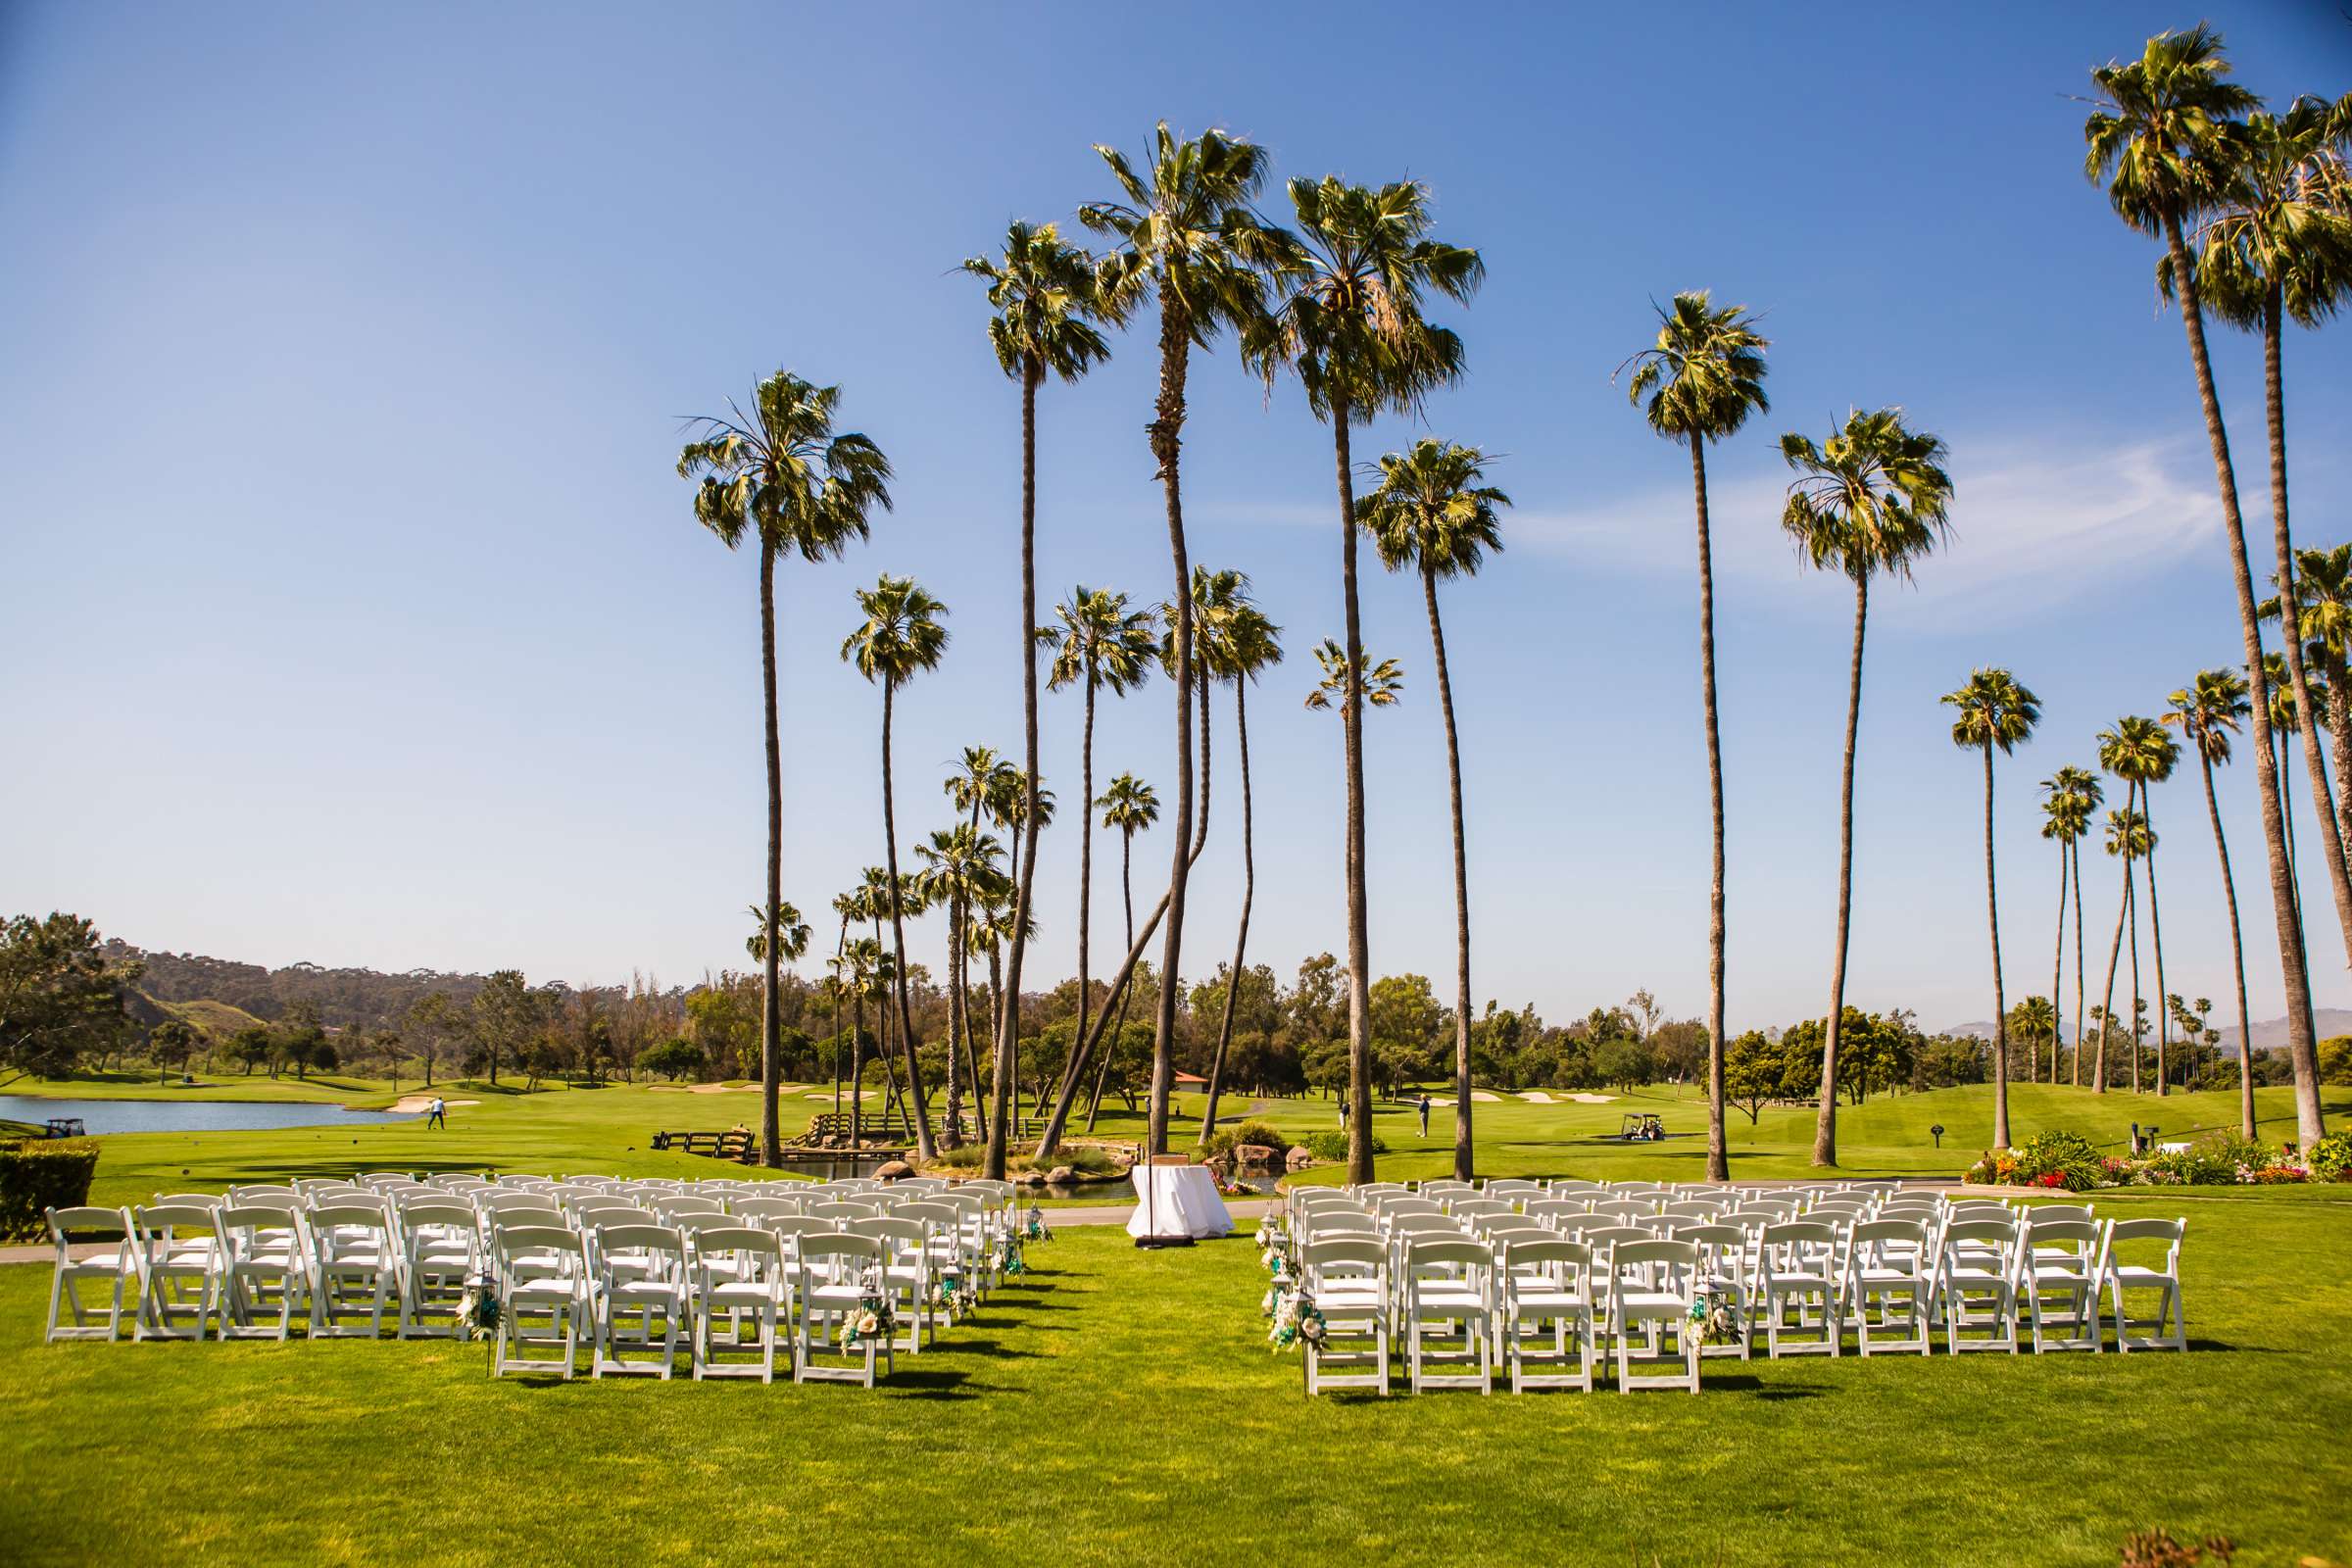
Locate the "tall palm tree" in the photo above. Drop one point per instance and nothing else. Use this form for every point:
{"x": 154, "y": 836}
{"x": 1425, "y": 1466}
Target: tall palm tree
{"x": 879, "y": 893}
{"x": 2286, "y": 721}
{"x": 783, "y": 474}
{"x": 1129, "y": 805}
{"x": 2069, "y": 797}
{"x": 1247, "y": 642}
{"x": 1101, "y": 645}
{"x": 2164, "y": 138}
{"x": 989, "y": 931}
{"x": 899, "y": 638}
{"x": 962, "y": 869}
{"x": 869, "y": 968}
{"x": 1432, "y": 513}
{"x": 2324, "y": 596}
{"x": 1044, "y": 294}
{"x": 1008, "y": 806}
{"x": 1350, "y": 326}
{"x": 1994, "y": 712}
{"x": 1869, "y": 502}
{"x": 2207, "y": 713}
{"x": 1705, "y": 377}
{"x": 1187, "y": 239}
{"x": 2275, "y": 245}
{"x": 790, "y": 929}
{"x": 2142, "y": 752}
{"x": 851, "y": 906}
{"x": 2127, "y": 840}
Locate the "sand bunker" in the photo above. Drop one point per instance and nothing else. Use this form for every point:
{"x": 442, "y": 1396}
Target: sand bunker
{"x": 1593, "y": 1099}
{"x": 1536, "y": 1095}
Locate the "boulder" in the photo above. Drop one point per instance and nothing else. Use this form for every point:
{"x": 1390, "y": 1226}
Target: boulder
{"x": 894, "y": 1170}
{"x": 1256, "y": 1156}
{"x": 1298, "y": 1158}
{"x": 1029, "y": 1178}
{"x": 1060, "y": 1176}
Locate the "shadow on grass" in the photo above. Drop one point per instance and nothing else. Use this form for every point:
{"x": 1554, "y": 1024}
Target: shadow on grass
{"x": 1750, "y": 1384}
{"x": 931, "y": 1382}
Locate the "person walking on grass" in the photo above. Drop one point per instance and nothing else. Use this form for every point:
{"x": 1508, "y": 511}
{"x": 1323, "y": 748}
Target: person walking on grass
{"x": 440, "y": 1115}
{"x": 1425, "y": 1114}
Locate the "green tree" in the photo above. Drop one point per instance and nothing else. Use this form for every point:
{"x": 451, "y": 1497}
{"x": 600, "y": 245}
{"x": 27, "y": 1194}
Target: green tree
{"x": 169, "y": 1044}
{"x": 1100, "y": 646}
{"x": 1995, "y": 712}
{"x": 673, "y": 1060}
{"x": 1187, "y": 239}
{"x": 1752, "y": 1070}
{"x": 2322, "y": 589}
{"x": 2069, "y": 797}
{"x": 1869, "y": 502}
{"x": 2128, "y": 839}
{"x": 61, "y": 998}
{"x": 1432, "y": 513}
{"x": 1351, "y": 327}
{"x": 506, "y": 1014}
{"x": 784, "y": 475}
{"x": 2163, "y": 139}
{"x": 1242, "y": 643}
{"x": 899, "y": 638}
{"x": 2207, "y": 713}
{"x": 1704, "y": 376}
{"x": 963, "y": 869}
{"x": 1044, "y": 295}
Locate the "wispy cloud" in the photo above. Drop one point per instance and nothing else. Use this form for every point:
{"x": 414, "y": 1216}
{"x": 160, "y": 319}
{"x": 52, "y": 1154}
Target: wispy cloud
{"x": 2027, "y": 522}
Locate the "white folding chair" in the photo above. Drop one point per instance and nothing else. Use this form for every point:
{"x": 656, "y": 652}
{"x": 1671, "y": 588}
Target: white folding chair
{"x": 1346, "y": 1276}
{"x": 1798, "y": 1269}
{"x": 440, "y": 1254}
{"x": 838, "y": 1274}
{"x": 1650, "y": 1285}
{"x": 2061, "y": 1270}
{"x": 641, "y": 1301}
{"x": 543, "y": 1298}
{"x": 1447, "y": 1285}
{"x": 741, "y": 1271}
{"x": 118, "y": 1269}
{"x": 1547, "y": 1312}
{"x": 180, "y": 1262}
{"x": 269, "y": 1265}
{"x": 2170, "y": 1325}
{"x": 1976, "y": 1278}
{"x": 1890, "y": 1285}
{"x": 354, "y": 1270}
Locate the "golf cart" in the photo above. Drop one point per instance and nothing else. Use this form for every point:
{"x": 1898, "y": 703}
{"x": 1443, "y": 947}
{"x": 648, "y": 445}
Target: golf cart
{"x": 1641, "y": 1127}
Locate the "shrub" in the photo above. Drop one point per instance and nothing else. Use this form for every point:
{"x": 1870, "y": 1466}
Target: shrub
{"x": 1085, "y": 1158}
{"x": 2210, "y": 1161}
{"x": 1333, "y": 1145}
{"x": 968, "y": 1157}
{"x": 2331, "y": 1157}
{"x": 1262, "y": 1133}
{"x": 2059, "y": 1159}
{"x": 38, "y": 1174}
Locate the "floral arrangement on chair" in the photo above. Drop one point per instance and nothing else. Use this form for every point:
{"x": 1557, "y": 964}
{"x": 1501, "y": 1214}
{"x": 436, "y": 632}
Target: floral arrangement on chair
{"x": 478, "y": 1308}
{"x": 1297, "y": 1321}
{"x": 877, "y": 1317}
{"x": 950, "y": 1292}
{"x": 1009, "y": 1261}
{"x": 1710, "y": 1320}
{"x": 1036, "y": 1227}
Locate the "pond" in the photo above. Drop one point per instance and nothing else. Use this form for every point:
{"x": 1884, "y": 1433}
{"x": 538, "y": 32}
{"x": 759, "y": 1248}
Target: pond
{"x": 188, "y": 1115}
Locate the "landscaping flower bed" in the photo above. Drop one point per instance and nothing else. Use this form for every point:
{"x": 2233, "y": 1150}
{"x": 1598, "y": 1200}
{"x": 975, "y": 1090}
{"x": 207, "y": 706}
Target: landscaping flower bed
{"x": 2063, "y": 1162}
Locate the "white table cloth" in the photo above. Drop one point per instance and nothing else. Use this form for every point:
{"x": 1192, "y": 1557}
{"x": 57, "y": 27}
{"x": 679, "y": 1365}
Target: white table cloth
{"x": 1177, "y": 1200}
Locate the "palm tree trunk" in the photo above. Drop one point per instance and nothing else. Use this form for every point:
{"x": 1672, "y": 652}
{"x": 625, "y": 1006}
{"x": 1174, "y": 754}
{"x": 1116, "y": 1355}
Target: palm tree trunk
{"x": 1241, "y": 938}
{"x": 950, "y": 1134}
{"x": 1719, "y": 1167}
{"x": 2332, "y": 842}
{"x": 2302, "y": 1048}
{"x": 2339, "y": 720}
{"x": 1359, "y": 940}
{"x": 841, "y": 947}
{"x": 1093, "y": 1104}
{"x": 1825, "y": 1131}
{"x": 2164, "y": 998}
{"x": 1009, "y": 1027}
{"x": 856, "y": 1070}
{"x": 2131, "y": 1034}
{"x": 917, "y": 1106}
{"x": 2237, "y": 954}
{"x": 2074, "y": 853}
{"x": 1462, "y": 1144}
{"x": 2294, "y": 861}
{"x": 2115, "y": 954}
{"x": 1086, "y": 862}
{"x": 2057, "y": 973}
{"x": 771, "y": 1116}
{"x": 1175, "y": 345}
{"x": 2000, "y": 1005}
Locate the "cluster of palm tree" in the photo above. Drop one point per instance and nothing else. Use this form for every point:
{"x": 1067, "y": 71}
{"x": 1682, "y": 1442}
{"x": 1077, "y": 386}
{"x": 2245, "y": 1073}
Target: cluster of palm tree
{"x": 2252, "y": 209}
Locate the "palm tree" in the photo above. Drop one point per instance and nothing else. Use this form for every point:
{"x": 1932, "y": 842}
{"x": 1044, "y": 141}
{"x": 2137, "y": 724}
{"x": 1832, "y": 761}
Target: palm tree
{"x": 2069, "y": 797}
{"x": 1432, "y": 513}
{"x": 1246, "y": 643}
{"x": 2140, "y": 752}
{"x": 1101, "y": 646}
{"x": 1871, "y": 500}
{"x": 2208, "y": 711}
{"x": 879, "y": 893}
{"x": 1704, "y": 375}
{"x": 868, "y": 969}
{"x": 899, "y": 638}
{"x": 1351, "y": 326}
{"x": 962, "y": 869}
{"x": 784, "y": 474}
{"x": 790, "y": 929}
{"x": 1129, "y": 805}
{"x": 2286, "y": 719}
{"x": 1008, "y": 807}
{"x": 2323, "y": 597}
{"x": 1043, "y": 292}
{"x": 1995, "y": 712}
{"x": 851, "y": 906}
{"x": 1188, "y": 240}
{"x": 2278, "y": 244}
{"x": 2164, "y": 139}
{"x": 2127, "y": 840}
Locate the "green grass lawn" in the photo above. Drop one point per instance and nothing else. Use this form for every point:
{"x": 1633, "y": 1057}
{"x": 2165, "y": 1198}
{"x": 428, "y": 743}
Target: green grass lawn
{"x": 1122, "y": 1406}
{"x": 609, "y": 1131}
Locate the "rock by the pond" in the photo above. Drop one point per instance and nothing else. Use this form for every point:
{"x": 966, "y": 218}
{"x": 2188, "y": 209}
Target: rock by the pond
{"x": 1298, "y": 1158}
{"x": 1255, "y": 1156}
{"x": 894, "y": 1170}
{"x": 1029, "y": 1178}
{"x": 1060, "y": 1176}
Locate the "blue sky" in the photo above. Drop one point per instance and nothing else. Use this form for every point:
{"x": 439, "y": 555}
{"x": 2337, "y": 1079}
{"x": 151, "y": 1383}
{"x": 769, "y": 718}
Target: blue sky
{"x": 355, "y": 615}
